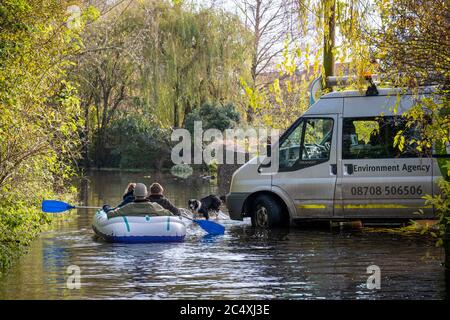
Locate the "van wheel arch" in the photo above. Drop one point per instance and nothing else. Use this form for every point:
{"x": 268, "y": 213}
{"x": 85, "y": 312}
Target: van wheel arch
{"x": 270, "y": 199}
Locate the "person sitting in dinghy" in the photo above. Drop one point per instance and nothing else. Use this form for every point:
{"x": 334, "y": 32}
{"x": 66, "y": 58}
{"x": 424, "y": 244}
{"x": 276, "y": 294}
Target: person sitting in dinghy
{"x": 157, "y": 196}
{"x": 140, "y": 206}
{"x": 128, "y": 195}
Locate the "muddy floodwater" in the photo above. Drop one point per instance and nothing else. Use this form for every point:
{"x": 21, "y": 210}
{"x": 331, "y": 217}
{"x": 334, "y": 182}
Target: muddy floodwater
{"x": 243, "y": 264}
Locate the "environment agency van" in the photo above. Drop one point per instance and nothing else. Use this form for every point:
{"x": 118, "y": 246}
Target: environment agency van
{"x": 337, "y": 162}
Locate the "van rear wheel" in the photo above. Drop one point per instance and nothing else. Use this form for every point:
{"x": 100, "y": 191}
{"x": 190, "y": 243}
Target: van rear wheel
{"x": 267, "y": 213}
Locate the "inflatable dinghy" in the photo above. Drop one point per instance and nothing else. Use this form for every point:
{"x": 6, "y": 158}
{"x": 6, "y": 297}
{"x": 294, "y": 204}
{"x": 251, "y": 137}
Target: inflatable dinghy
{"x": 139, "y": 229}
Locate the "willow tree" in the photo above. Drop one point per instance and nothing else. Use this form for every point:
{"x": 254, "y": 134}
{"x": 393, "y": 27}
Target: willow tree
{"x": 190, "y": 56}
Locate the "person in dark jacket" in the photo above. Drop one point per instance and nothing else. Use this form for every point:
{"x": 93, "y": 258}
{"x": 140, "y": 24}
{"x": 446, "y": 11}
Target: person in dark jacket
{"x": 128, "y": 196}
{"x": 156, "y": 195}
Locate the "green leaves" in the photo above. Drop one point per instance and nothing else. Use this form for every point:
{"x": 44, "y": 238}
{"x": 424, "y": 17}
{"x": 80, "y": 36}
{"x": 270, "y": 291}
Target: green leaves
{"x": 39, "y": 113}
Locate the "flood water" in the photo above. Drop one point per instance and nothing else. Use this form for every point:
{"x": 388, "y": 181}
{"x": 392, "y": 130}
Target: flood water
{"x": 243, "y": 264}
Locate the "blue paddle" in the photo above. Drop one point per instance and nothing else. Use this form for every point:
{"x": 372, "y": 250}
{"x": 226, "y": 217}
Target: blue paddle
{"x": 55, "y": 206}
{"x": 209, "y": 226}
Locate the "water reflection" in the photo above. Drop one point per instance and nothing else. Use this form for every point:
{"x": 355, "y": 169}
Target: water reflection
{"x": 244, "y": 263}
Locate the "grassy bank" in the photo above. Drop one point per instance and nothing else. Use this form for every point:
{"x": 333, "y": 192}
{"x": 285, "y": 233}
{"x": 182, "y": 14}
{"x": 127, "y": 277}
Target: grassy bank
{"x": 21, "y": 221}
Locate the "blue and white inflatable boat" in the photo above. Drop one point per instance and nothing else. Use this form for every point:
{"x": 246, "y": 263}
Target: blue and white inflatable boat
{"x": 139, "y": 229}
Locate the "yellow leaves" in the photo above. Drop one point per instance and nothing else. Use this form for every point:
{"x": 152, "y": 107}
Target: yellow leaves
{"x": 399, "y": 140}
{"x": 177, "y": 2}
{"x": 307, "y": 57}
{"x": 276, "y": 90}
{"x": 267, "y": 120}
{"x": 288, "y": 65}
{"x": 298, "y": 52}
{"x": 316, "y": 66}
{"x": 255, "y": 98}
{"x": 289, "y": 86}
{"x": 91, "y": 13}
{"x": 447, "y": 166}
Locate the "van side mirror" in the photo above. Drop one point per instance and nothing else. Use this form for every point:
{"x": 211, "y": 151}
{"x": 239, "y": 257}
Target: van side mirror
{"x": 268, "y": 148}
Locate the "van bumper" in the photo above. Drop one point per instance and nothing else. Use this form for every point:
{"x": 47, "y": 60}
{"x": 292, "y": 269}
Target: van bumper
{"x": 235, "y": 204}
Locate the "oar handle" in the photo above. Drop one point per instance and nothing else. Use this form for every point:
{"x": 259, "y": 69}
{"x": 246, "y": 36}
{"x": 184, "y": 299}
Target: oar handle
{"x": 86, "y": 207}
{"x": 183, "y": 214}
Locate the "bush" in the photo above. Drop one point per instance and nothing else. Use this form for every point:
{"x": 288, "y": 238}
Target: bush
{"x": 441, "y": 203}
{"x": 213, "y": 116}
{"x": 137, "y": 141}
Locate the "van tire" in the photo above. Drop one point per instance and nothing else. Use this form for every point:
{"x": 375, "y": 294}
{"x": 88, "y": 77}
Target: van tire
{"x": 267, "y": 213}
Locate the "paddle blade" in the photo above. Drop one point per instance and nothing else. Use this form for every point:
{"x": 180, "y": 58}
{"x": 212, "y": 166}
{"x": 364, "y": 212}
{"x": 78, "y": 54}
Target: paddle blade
{"x": 54, "y": 206}
{"x": 211, "y": 227}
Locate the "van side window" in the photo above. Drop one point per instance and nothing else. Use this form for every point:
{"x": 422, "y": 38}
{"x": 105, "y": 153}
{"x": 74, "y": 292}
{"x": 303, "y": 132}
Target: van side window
{"x": 373, "y": 138}
{"x": 307, "y": 144}
{"x": 317, "y": 141}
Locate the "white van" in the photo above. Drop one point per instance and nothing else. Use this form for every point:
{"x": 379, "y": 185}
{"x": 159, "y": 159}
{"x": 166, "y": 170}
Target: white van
{"x": 337, "y": 162}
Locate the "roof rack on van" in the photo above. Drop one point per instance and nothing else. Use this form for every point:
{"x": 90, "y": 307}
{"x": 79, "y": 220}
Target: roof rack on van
{"x": 335, "y": 81}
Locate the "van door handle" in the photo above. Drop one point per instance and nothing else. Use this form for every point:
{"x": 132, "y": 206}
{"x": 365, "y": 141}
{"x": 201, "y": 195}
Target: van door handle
{"x": 333, "y": 169}
{"x": 348, "y": 169}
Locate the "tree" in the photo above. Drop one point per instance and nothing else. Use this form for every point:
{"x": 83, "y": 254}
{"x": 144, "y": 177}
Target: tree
{"x": 313, "y": 53}
{"x": 158, "y": 59}
{"x": 39, "y": 108}
{"x": 39, "y": 114}
{"x": 413, "y": 41}
{"x": 105, "y": 70}
{"x": 413, "y": 45}
{"x": 270, "y": 23}
{"x": 329, "y": 13}
{"x": 191, "y": 56}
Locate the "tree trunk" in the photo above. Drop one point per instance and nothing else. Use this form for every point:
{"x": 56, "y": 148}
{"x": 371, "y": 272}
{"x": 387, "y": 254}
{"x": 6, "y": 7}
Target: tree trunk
{"x": 85, "y": 138}
{"x": 329, "y": 39}
{"x": 176, "y": 115}
{"x": 447, "y": 248}
{"x": 250, "y": 112}
{"x": 187, "y": 110}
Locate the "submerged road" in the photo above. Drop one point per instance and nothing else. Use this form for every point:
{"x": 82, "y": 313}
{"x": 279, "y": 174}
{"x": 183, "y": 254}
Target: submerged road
{"x": 243, "y": 264}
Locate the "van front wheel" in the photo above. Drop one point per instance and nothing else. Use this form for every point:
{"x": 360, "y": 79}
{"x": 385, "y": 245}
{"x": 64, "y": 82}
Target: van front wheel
{"x": 266, "y": 212}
